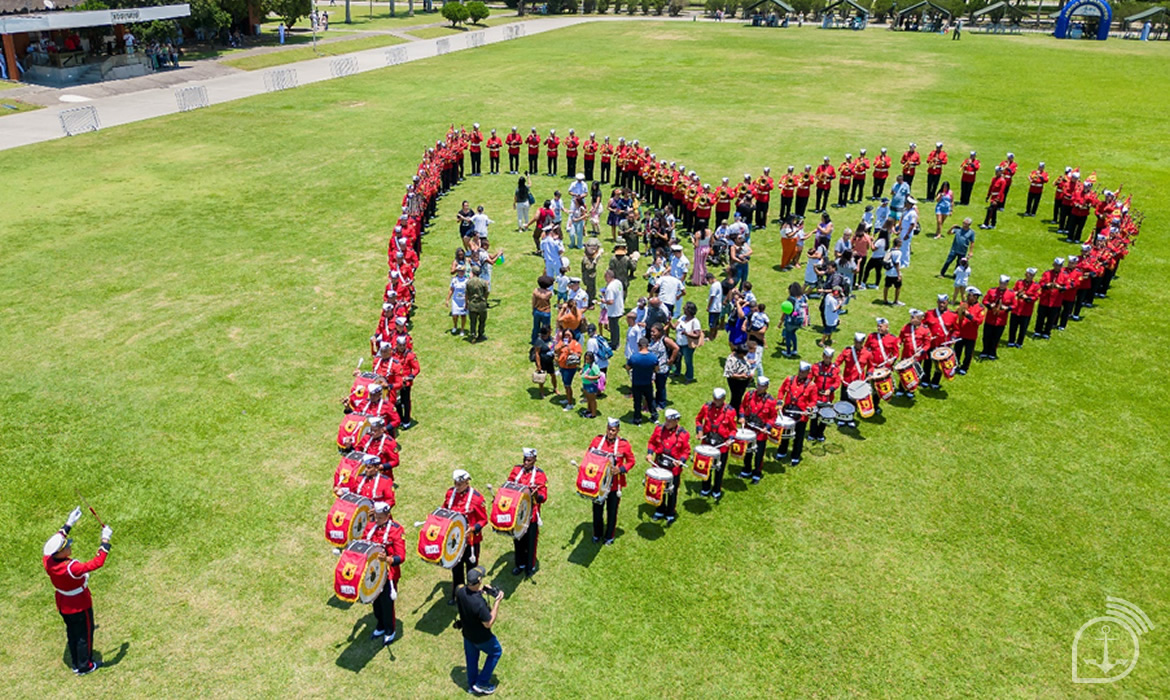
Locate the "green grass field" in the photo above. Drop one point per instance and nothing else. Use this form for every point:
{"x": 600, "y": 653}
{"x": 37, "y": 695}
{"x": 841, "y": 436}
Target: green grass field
{"x": 307, "y": 53}
{"x": 181, "y": 328}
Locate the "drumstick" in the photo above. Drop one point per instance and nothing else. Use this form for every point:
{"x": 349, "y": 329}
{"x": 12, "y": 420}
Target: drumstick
{"x": 419, "y": 523}
{"x": 87, "y": 505}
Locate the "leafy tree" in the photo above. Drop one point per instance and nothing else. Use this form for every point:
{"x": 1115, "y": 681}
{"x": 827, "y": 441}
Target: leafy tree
{"x": 478, "y": 11}
{"x": 677, "y": 7}
{"x": 208, "y": 14}
{"x": 289, "y": 11}
{"x": 455, "y": 12}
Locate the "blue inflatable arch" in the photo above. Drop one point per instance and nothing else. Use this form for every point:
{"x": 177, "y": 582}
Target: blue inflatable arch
{"x": 1091, "y": 9}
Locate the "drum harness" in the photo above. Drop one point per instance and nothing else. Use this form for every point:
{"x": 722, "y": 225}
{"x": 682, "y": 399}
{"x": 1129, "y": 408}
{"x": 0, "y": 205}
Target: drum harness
{"x": 532, "y": 486}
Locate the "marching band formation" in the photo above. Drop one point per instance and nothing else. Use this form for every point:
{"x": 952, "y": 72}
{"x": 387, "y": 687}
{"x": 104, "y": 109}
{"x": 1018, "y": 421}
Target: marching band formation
{"x": 839, "y": 389}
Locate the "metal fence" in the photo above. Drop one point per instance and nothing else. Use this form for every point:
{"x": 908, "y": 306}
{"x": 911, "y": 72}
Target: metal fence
{"x": 280, "y": 79}
{"x": 79, "y": 120}
{"x": 192, "y": 97}
{"x": 341, "y": 67}
{"x": 442, "y": 46}
{"x": 396, "y": 56}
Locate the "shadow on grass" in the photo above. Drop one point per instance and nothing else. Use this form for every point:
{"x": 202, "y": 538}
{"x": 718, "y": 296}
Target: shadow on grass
{"x": 650, "y": 530}
{"x": 440, "y": 615}
{"x": 697, "y": 506}
{"x": 586, "y": 550}
{"x": 97, "y": 656}
{"x": 360, "y": 649}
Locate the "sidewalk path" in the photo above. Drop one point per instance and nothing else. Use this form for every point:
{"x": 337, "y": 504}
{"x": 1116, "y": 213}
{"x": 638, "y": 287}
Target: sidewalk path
{"x": 155, "y": 100}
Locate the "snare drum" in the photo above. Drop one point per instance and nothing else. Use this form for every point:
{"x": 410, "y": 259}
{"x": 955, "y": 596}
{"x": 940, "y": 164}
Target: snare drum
{"x": 659, "y": 482}
{"x": 353, "y": 426}
{"x": 442, "y": 538}
{"x": 783, "y": 429}
{"x": 511, "y": 510}
{"x": 909, "y": 373}
{"x": 862, "y": 395}
{"x": 945, "y": 358}
{"x": 347, "y": 519}
{"x": 744, "y": 442}
{"x": 844, "y": 411}
{"x": 883, "y": 383}
{"x": 595, "y": 475}
{"x": 706, "y": 459}
{"x": 826, "y": 414}
{"x": 360, "y": 573}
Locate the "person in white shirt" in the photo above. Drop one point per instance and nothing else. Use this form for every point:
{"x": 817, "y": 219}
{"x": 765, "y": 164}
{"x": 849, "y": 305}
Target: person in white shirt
{"x": 479, "y": 222}
{"x": 680, "y": 267}
{"x": 551, "y": 250}
{"x": 688, "y": 335}
{"x": 909, "y": 224}
{"x": 739, "y": 228}
{"x": 577, "y": 295}
{"x": 634, "y": 332}
{"x": 558, "y": 208}
{"x": 579, "y": 189}
{"x": 614, "y": 298}
{"x": 714, "y": 305}
{"x": 882, "y": 213}
{"x": 670, "y": 290}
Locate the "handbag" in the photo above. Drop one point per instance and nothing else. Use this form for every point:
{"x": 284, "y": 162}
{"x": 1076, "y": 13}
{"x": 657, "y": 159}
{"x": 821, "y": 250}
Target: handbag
{"x": 539, "y": 377}
{"x": 601, "y": 384}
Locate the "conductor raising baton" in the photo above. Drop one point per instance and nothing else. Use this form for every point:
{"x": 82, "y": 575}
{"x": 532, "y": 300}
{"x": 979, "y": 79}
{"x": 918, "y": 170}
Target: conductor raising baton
{"x": 70, "y": 578}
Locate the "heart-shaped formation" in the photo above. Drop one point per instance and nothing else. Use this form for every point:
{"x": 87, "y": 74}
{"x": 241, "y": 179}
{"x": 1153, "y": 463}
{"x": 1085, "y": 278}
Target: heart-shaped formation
{"x": 379, "y": 401}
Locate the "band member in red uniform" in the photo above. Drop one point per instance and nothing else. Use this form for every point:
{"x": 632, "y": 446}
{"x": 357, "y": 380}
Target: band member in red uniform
{"x": 384, "y": 531}
{"x": 1090, "y": 269}
{"x": 1080, "y": 204}
{"x": 998, "y": 302}
{"x": 1052, "y": 284}
{"x": 572, "y": 143}
{"x": 915, "y": 341}
{"x": 1027, "y": 291}
{"x": 475, "y": 145}
{"x": 935, "y": 160}
{"x": 714, "y": 425}
{"x": 670, "y": 448}
{"x": 607, "y": 151}
{"x": 70, "y": 578}
{"x": 860, "y": 168}
{"x": 826, "y": 378}
{"x": 798, "y": 396}
{"x": 463, "y": 498}
{"x": 881, "y": 173}
{"x": 528, "y": 474}
{"x": 971, "y": 314}
{"x": 590, "y": 148}
{"x": 606, "y": 513}
{"x": 1009, "y": 167}
{"x": 944, "y": 330}
{"x": 757, "y": 411}
{"x": 856, "y": 363}
{"x": 1036, "y": 181}
{"x": 824, "y": 177}
{"x": 552, "y": 145}
{"x": 883, "y": 345}
{"x": 724, "y": 197}
{"x": 844, "y": 180}
{"x": 1057, "y": 196}
{"x": 378, "y": 443}
{"x": 995, "y": 194}
{"x": 1068, "y": 299}
{"x": 910, "y": 161}
{"x": 703, "y": 204}
{"x": 494, "y": 144}
{"x": 378, "y": 404}
{"x": 513, "y": 140}
{"x": 968, "y": 170}
{"x": 762, "y": 192}
{"x": 404, "y": 369}
{"x": 804, "y": 185}
{"x": 375, "y": 484}
{"x": 533, "y": 141}
{"x": 787, "y": 192}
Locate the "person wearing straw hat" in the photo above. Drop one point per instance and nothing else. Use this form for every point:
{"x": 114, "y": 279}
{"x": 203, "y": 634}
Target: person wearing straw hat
{"x": 70, "y": 579}
{"x": 384, "y": 531}
{"x": 528, "y": 474}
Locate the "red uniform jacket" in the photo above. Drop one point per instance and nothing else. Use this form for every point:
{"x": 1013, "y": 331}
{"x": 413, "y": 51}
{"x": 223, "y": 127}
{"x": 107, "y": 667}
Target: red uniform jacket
{"x": 476, "y": 138}
{"x": 787, "y": 185}
{"x": 1036, "y": 181}
{"x": 383, "y": 447}
{"x": 551, "y": 144}
{"x": 494, "y": 144}
{"x": 377, "y": 488}
{"x": 383, "y": 407}
{"x": 997, "y": 189}
{"x": 944, "y": 327}
{"x": 514, "y": 141}
{"x": 1074, "y": 281}
{"x": 935, "y": 160}
{"x": 970, "y": 167}
{"x": 910, "y": 161}
{"x": 824, "y": 176}
{"x": 759, "y": 410}
{"x": 854, "y": 365}
{"x": 884, "y": 349}
{"x": 827, "y": 380}
{"x": 606, "y": 153}
{"x": 881, "y": 167}
{"x": 845, "y": 173}
{"x": 533, "y": 142}
{"x": 803, "y": 185}
{"x": 798, "y": 395}
{"x": 470, "y": 503}
{"x": 1026, "y": 295}
{"x": 1009, "y": 170}
{"x": 673, "y": 443}
{"x": 718, "y": 421}
{"x": 590, "y": 147}
{"x": 70, "y": 578}
{"x": 762, "y": 188}
{"x": 536, "y": 481}
{"x": 1052, "y": 286}
{"x": 404, "y": 368}
{"x": 623, "y": 456}
{"x": 969, "y": 322}
{"x": 571, "y": 145}
{"x": 915, "y": 341}
{"x": 860, "y": 166}
{"x": 992, "y": 300}
{"x": 391, "y": 537}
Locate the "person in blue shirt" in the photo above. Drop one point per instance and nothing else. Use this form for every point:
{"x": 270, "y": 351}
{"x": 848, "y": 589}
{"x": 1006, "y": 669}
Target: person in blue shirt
{"x": 898, "y": 194}
{"x": 642, "y": 365}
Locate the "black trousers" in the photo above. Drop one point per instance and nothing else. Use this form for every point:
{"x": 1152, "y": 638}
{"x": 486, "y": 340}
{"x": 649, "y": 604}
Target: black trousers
{"x": 762, "y": 214}
{"x": 754, "y": 461}
{"x": 608, "y": 511}
{"x": 721, "y": 216}
{"x": 459, "y": 167}
{"x": 964, "y": 350}
{"x": 932, "y": 185}
{"x": 552, "y": 164}
{"x": 669, "y": 505}
{"x": 589, "y": 169}
{"x": 525, "y": 548}
{"x": 1076, "y": 227}
{"x": 1033, "y": 204}
{"x": 714, "y": 480}
{"x": 384, "y": 611}
{"x": 465, "y": 564}
{"x": 737, "y": 388}
{"x": 533, "y": 163}
{"x": 1063, "y": 218}
{"x": 965, "y": 192}
{"x": 476, "y": 162}
{"x": 1084, "y": 296}
{"x": 990, "y": 217}
{"x": 660, "y": 386}
{"x": 403, "y": 404}
{"x": 785, "y": 207}
{"x": 843, "y": 192}
{"x": 477, "y": 320}
{"x": 571, "y": 166}
{"x": 797, "y": 442}
{"x": 1006, "y": 190}
{"x": 801, "y": 205}
{"x": 1018, "y": 328}
{"x": 908, "y": 179}
{"x": 494, "y": 163}
{"x": 1046, "y": 320}
{"x": 79, "y": 637}
{"x": 879, "y": 186}
{"x": 822, "y": 200}
{"x": 858, "y": 189}
{"x": 875, "y": 265}
{"x": 1066, "y": 308}
{"x": 1056, "y": 208}
{"x": 513, "y": 162}
{"x": 931, "y": 374}
{"x": 991, "y": 338}
{"x": 606, "y": 170}
{"x": 818, "y": 428}
{"x": 643, "y": 396}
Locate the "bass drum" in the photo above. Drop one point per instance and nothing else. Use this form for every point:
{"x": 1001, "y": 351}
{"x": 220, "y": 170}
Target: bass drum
{"x": 360, "y": 574}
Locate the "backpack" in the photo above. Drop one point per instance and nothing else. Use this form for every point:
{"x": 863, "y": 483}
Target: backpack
{"x": 604, "y": 351}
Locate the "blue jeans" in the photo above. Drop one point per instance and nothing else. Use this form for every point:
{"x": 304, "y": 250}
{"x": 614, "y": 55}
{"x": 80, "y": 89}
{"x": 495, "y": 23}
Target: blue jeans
{"x": 577, "y": 235}
{"x": 741, "y": 274}
{"x": 494, "y": 651}
{"x": 789, "y": 335}
{"x": 540, "y": 319}
{"x": 687, "y": 356}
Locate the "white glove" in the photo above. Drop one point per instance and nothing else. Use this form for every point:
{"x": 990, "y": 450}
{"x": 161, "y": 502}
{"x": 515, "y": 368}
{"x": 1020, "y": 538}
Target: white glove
{"x": 106, "y": 532}
{"x": 73, "y": 517}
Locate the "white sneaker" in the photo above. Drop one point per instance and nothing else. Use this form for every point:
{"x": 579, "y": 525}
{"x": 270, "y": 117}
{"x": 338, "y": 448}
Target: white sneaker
{"x": 378, "y": 633}
{"x": 389, "y": 638}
